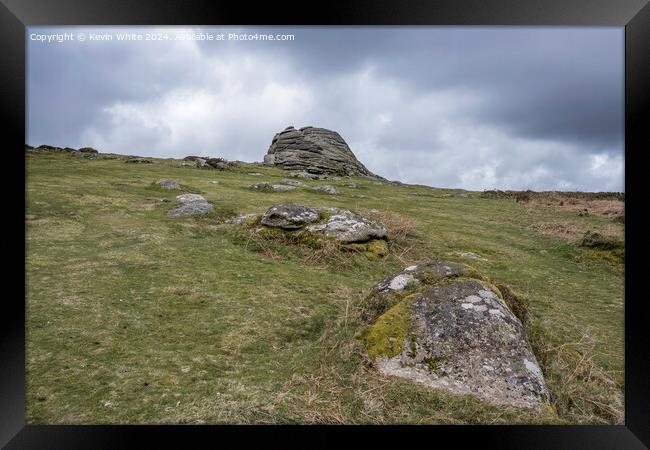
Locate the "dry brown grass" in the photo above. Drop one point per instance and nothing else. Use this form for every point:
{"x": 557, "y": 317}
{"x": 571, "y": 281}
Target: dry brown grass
{"x": 610, "y": 207}
{"x": 403, "y": 233}
{"x": 574, "y": 231}
{"x": 577, "y": 383}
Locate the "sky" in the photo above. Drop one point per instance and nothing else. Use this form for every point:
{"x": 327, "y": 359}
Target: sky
{"x": 476, "y": 108}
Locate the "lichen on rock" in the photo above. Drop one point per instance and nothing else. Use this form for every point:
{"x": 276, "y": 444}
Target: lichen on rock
{"x": 191, "y": 205}
{"x": 459, "y": 336}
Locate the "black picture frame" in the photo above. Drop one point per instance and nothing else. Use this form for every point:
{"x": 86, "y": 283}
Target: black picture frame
{"x": 15, "y": 15}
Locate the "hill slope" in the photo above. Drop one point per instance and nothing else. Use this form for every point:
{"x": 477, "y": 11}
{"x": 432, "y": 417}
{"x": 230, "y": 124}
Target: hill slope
{"x": 134, "y": 317}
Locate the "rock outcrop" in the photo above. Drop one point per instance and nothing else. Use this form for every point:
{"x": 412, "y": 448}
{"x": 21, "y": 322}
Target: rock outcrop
{"x": 314, "y": 150}
{"x": 444, "y": 326}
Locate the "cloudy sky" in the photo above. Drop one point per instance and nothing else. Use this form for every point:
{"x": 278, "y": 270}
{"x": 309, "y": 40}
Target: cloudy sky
{"x": 475, "y": 108}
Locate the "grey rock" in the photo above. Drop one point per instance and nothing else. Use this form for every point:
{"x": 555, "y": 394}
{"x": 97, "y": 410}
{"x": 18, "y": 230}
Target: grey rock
{"x": 352, "y": 185}
{"x": 294, "y": 183}
{"x": 221, "y": 164}
{"x": 346, "y": 226}
{"x": 326, "y": 188}
{"x": 424, "y": 272}
{"x": 313, "y": 150}
{"x": 139, "y": 160}
{"x": 85, "y": 155}
{"x": 200, "y": 163}
{"x": 86, "y": 150}
{"x": 168, "y": 184}
{"x": 111, "y": 156}
{"x": 190, "y": 198}
{"x": 240, "y": 219}
{"x": 471, "y": 255}
{"x": 464, "y": 339}
{"x": 255, "y": 174}
{"x": 191, "y": 205}
{"x": 271, "y": 187}
{"x": 289, "y": 216}
{"x": 306, "y": 175}
{"x": 191, "y": 209}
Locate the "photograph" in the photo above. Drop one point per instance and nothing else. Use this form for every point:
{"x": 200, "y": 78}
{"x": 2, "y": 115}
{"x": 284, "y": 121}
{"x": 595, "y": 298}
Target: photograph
{"x": 325, "y": 225}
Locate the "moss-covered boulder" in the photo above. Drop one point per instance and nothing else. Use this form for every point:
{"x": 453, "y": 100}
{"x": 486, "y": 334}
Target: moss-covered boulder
{"x": 443, "y": 325}
{"x": 316, "y": 226}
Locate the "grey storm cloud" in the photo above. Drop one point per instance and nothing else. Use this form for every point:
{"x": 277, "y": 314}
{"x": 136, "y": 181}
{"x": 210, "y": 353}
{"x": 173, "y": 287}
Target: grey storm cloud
{"x": 476, "y": 108}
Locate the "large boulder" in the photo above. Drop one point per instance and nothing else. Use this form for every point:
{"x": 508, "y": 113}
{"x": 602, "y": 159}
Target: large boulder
{"x": 87, "y": 150}
{"x": 314, "y": 150}
{"x": 442, "y": 325}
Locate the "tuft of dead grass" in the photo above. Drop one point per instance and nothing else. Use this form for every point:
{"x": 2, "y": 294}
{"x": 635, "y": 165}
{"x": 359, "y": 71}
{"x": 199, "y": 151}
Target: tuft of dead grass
{"x": 580, "y": 388}
{"x": 403, "y": 234}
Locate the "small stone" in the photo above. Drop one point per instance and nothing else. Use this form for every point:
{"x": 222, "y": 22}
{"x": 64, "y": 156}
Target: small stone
{"x": 190, "y": 198}
{"x": 240, "y": 219}
{"x": 471, "y": 255}
{"x": 191, "y": 209}
{"x": 295, "y": 183}
{"x": 271, "y": 187}
{"x": 289, "y": 216}
{"x": 168, "y": 184}
{"x": 346, "y": 226}
{"x": 326, "y": 188}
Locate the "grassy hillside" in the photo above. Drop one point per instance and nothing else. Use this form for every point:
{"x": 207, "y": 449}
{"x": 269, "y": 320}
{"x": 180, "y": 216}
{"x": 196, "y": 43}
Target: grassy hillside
{"x": 134, "y": 317}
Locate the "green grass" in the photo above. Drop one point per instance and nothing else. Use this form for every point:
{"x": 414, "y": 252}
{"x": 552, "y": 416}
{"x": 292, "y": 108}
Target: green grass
{"x": 133, "y": 317}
